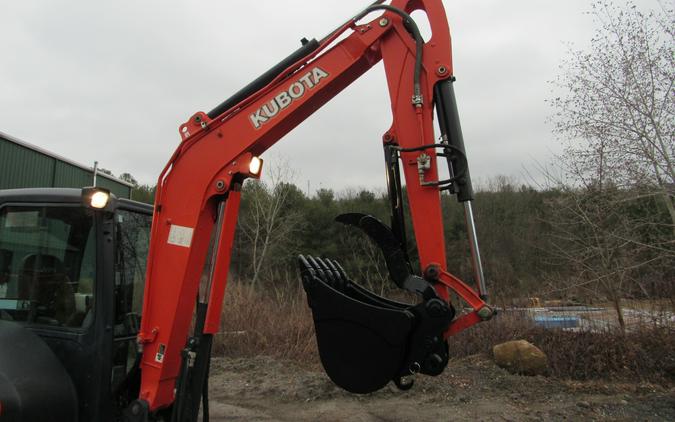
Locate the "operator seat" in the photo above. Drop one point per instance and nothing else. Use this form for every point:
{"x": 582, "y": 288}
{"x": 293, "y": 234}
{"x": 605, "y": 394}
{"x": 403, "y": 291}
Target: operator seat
{"x": 43, "y": 280}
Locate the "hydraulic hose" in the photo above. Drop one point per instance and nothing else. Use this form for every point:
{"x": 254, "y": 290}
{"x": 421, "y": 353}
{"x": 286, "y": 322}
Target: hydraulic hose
{"x": 412, "y": 27}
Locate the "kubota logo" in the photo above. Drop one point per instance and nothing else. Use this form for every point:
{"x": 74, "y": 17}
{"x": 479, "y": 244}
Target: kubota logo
{"x": 282, "y": 100}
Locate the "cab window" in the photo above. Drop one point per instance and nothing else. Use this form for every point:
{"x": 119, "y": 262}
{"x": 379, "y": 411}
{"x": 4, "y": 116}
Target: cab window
{"x": 132, "y": 242}
{"x": 47, "y": 265}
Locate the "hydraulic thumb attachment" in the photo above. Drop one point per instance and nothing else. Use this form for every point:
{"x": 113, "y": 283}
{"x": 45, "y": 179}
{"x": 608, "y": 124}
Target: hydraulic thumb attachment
{"x": 366, "y": 340}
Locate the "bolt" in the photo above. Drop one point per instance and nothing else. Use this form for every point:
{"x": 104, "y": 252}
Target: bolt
{"x": 384, "y": 22}
{"x": 432, "y": 272}
{"x": 220, "y": 185}
{"x": 442, "y": 69}
{"x": 198, "y": 119}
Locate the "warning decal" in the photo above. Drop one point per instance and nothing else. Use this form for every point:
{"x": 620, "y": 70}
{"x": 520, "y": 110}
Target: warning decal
{"x": 180, "y": 236}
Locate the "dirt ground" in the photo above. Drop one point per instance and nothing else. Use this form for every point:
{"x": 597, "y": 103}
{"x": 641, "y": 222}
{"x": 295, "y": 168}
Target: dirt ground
{"x": 264, "y": 389}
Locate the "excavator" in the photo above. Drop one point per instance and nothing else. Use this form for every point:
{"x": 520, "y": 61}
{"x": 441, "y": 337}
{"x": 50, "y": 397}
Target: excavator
{"x": 108, "y": 307}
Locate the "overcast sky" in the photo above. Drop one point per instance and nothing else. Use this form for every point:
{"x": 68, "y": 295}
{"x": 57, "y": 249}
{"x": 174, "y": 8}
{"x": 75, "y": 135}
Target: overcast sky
{"x": 112, "y": 81}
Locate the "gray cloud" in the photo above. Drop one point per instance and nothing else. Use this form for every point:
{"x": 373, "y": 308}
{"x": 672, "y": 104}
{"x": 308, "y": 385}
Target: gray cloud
{"x": 112, "y": 81}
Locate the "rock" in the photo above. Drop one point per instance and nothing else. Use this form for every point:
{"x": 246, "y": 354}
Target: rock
{"x": 520, "y": 357}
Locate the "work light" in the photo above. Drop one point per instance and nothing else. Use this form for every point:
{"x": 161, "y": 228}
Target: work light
{"x": 255, "y": 166}
{"x": 99, "y": 199}
{"x": 95, "y": 197}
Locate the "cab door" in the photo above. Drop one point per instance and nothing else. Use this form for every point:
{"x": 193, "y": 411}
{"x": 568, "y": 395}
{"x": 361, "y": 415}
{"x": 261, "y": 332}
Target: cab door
{"x": 132, "y": 239}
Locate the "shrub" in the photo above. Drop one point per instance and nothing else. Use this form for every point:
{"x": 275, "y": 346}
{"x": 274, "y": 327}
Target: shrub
{"x": 277, "y": 322}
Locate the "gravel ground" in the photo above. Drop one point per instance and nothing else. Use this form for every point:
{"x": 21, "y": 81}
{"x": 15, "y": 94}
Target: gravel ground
{"x": 265, "y": 389}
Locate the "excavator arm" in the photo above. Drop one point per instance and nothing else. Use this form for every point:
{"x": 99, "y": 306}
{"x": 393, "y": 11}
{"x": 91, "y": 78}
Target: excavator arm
{"x": 198, "y": 194}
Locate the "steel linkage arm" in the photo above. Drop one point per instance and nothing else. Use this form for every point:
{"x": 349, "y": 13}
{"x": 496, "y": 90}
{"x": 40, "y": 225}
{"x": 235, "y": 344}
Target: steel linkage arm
{"x": 198, "y": 191}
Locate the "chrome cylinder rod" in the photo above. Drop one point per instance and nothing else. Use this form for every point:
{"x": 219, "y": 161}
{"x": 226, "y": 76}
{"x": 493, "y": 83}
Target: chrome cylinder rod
{"x": 475, "y": 252}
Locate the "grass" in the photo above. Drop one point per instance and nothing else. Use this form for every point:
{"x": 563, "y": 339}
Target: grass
{"x": 277, "y": 322}
{"x": 274, "y": 322}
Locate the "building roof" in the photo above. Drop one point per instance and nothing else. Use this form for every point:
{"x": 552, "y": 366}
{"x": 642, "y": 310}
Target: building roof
{"x": 35, "y": 148}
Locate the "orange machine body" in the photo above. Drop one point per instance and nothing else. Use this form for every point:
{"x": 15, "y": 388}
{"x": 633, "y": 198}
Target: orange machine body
{"x": 213, "y": 159}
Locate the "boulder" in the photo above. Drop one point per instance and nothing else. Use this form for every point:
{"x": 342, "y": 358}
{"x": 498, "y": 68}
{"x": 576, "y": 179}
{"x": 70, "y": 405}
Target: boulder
{"x": 520, "y": 357}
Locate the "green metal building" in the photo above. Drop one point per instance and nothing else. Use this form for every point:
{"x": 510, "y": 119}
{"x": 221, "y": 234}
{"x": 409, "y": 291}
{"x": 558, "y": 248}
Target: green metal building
{"x": 23, "y": 165}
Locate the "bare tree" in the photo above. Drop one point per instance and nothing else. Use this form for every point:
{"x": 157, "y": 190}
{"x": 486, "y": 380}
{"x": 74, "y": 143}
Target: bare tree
{"x": 617, "y": 119}
{"x": 129, "y": 178}
{"x": 597, "y": 241}
{"x": 617, "y": 111}
{"x": 267, "y": 223}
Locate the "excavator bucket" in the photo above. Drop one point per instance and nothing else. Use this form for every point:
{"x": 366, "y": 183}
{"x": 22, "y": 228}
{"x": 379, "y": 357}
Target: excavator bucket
{"x": 365, "y": 340}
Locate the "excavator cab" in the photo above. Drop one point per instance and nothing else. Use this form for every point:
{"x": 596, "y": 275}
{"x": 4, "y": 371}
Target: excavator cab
{"x": 72, "y": 272}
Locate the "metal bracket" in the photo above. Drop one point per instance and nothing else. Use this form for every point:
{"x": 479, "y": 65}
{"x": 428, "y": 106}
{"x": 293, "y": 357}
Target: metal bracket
{"x": 423, "y": 165}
